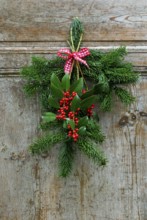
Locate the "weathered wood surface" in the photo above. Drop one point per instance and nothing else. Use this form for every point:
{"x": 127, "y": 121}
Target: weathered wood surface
{"x": 30, "y": 188}
{"x": 105, "y": 20}
{"x": 14, "y": 57}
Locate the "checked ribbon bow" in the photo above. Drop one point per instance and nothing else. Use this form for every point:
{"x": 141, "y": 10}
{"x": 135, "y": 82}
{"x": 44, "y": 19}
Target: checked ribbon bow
{"x": 69, "y": 56}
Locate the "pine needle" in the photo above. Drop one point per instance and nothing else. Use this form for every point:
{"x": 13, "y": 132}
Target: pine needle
{"x": 92, "y": 152}
{"x": 45, "y": 143}
{"x": 66, "y": 156}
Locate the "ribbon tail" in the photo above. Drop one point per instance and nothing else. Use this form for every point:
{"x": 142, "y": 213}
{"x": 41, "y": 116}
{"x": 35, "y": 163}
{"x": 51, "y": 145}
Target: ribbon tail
{"x": 68, "y": 66}
{"x": 81, "y": 61}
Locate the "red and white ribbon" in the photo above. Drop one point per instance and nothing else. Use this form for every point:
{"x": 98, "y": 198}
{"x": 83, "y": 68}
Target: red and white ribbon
{"x": 69, "y": 56}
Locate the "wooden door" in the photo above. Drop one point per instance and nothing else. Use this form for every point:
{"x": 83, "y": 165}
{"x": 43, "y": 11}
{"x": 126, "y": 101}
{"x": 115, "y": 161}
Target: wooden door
{"x": 29, "y": 186}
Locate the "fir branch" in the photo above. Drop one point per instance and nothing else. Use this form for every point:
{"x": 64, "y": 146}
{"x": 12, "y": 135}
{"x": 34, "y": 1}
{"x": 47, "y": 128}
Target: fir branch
{"x": 46, "y": 142}
{"x": 38, "y": 76}
{"x": 103, "y": 82}
{"x": 94, "y": 132}
{"x": 114, "y": 57}
{"x": 121, "y": 75}
{"x": 112, "y": 65}
{"x": 105, "y": 101}
{"x": 66, "y": 156}
{"x": 49, "y": 125}
{"x": 76, "y": 32}
{"x": 40, "y": 71}
{"x": 124, "y": 95}
{"x": 92, "y": 152}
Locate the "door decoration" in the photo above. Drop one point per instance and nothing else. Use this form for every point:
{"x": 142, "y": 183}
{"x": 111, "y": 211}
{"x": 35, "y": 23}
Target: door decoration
{"x": 72, "y": 88}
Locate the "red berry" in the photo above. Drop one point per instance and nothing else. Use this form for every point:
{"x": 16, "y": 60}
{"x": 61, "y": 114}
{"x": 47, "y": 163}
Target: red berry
{"x": 74, "y": 94}
{"x": 83, "y": 91}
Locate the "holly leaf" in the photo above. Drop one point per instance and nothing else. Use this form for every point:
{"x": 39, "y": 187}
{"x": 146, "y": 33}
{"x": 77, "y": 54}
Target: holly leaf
{"x": 66, "y": 82}
{"x": 55, "y": 80}
{"x": 49, "y": 116}
{"x": 65, "y": 123}
{"x": 86, "y": 103}
{"x": 82, "y": 130}
{"x": 53, "y": 103}
{"x": 75, "y": 103}
{"x": 83, "y": 121}
{"x": 77, "y": 86}
{"x": 88, "y": 93}
{"x": 56, "y": 92}
{"x": 72, "y": 124}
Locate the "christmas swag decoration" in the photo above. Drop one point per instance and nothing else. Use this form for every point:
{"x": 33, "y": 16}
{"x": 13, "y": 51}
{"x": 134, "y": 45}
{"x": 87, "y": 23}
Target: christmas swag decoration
{"x": 69, "y": 103}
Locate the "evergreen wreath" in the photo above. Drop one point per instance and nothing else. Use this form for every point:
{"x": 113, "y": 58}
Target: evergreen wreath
{"x": 67, "y": 101}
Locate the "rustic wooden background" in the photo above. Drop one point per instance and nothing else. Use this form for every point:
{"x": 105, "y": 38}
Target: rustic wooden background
{"x": 29, "y": 186}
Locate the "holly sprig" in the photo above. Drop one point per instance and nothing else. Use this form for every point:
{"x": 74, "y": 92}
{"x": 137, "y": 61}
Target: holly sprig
{"x": 72, "y": 109}
{"x": 69, "y": 118}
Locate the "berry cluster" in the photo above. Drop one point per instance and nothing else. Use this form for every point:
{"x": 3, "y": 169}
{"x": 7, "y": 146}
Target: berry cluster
{"x": 64, "y": 105}
{"x": 64, "y": 112}
{"x": 73, "y": 134}
{"x": 89, "y": 110}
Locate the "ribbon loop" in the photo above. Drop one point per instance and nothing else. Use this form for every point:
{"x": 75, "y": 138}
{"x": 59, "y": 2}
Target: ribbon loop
{"x": 69, "y": 56}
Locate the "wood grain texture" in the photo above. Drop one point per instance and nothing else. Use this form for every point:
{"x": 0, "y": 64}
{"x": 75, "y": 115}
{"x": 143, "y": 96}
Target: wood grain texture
{"x": 30, "y": 188}
{"x": 50, "y": 20}
{"x": 18, "y": 125}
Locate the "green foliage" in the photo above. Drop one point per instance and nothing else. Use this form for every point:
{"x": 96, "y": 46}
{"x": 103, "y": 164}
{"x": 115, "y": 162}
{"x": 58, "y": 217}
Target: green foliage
{"x": 72, "y": 123}
{"x": 53, "y": 102}
{"x": 56, "y": 92}
{"x": 49, "y": 116}
{"x": 82, "y": 130}
{"x": 37, "y": 77}
{"x": 106, "y": 102}
{"x": 56, "y": 82}
{"x": 76, "y": 31}
{"x": 45, "y": 126}
{"x": 45, "y": 143}
{"x": 76, "y": 103}
{"x": 107, "y": 70}
{"x": 66, "y": 82}
{"x": 92, "y": 152}
{"x": 87, "y": 102}
{"x": 94, "y": 131}
{"x": 66, "y": 156}
{"x": 83, "y": 121}
{"x": 77, "y": 86}
{"x": 124, "y": 95}
{"x": 108, "y": 73}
